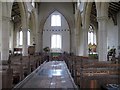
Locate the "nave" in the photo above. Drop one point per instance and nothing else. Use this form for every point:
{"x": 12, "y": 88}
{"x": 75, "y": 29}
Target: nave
{"x": 53, "y": 74}
{"x": 84, "y": 35}
{"x": 64, "y": 71}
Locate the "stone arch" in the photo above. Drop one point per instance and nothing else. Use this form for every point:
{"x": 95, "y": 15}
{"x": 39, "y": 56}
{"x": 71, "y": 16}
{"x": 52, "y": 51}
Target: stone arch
{"x": 23, "y": 10}
{"x": 87, "y": 13}
{"x": 6, "y": 14}
{"x": 34, "y": 24}
{"x": 78, "y": 19}
{"x": 78, "y": 30}
{"x": 68, "y": 19}
{"x": 45, "y": 18}
{"x": 94, "y": 27}
{"x": 85, "y": 27}
{"x": 66, "y": 35}
{"x": 24, "y": 22}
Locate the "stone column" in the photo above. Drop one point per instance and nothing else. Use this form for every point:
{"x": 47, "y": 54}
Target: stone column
{"x": 102, "y": 38}
{"x": 25, "y": 42}
{"x": 72, "y": 42}
{"x": 0, "y": 28}
{"x": 77, "y": 31}
{"x": 5, "y": 38}
{"x": 118, "y": 32}
{"x": 77, "y": 42}
{"x": 0, "y": 44}
{"x": 85, "y": 42}
{"x": 41, "y": 42}
{"x": 38, "y": 42}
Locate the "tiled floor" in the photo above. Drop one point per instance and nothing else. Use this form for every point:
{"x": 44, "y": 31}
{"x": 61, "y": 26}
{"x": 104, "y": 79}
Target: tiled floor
{"x": 53, "y": 74}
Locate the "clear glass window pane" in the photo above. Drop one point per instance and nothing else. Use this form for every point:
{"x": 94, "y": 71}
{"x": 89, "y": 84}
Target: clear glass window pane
{"x": 58, "y": 22}
{"x": 89, "y": 38}
{"x": 28, "y": 34}
{"x": 53, "y": 45}
{"x": 91, "y": 35}
{"x": 56, "y": 41}
{"x": 21, "y": 38}
{"x": 55, "y": 20}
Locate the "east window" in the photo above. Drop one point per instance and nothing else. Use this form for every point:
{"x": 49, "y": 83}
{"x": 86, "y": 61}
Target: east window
{"x": 56, "y": 41}
{"x": 55, "y": 20}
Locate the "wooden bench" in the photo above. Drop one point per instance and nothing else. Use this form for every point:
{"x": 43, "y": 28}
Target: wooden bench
{"x": 7, "y": 74}
{"x": 85, "y": 67}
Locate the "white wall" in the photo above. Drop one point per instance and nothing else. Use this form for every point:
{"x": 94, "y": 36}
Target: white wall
{"x": 65, "y": 8}
{"x": 118, "y": 18}
{"x": 112, "y": 35}
{"x": 48, "y": 31}
{"x": 0, "y": 29}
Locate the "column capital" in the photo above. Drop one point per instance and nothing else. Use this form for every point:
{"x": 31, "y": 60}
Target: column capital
{"x": 24, "y": 29}
{"x": 102, "y": 18}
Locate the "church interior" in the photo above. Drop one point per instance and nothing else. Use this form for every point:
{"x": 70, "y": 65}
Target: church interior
{"x": 59, "y": 44}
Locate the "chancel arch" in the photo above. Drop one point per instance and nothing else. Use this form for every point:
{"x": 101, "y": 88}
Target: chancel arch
{"x": 67, "y": 13}
{"x": 56, "y": 33}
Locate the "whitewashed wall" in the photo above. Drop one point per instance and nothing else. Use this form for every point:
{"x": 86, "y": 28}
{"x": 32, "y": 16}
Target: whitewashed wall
{"x": 118, "y": 18}
{"x": 66, "y": 8}
{"x": 112, "y": 35}
{"x": 0, "y": 43}
{"x": 63, "y": 31}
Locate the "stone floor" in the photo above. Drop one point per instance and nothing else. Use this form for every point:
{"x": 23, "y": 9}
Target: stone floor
{"x": 53, "y": 74}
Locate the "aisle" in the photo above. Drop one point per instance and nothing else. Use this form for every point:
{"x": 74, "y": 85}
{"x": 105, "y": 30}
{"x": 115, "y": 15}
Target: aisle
{"x": 53, "y": 74}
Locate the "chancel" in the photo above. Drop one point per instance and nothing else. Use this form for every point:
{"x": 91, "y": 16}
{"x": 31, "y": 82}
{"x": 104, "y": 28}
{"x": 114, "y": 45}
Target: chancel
{"x": 70, "y": 44}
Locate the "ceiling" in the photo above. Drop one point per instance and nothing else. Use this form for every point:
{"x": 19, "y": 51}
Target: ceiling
{"x": 16, "y": 17}
{"x": 114, "y": 8}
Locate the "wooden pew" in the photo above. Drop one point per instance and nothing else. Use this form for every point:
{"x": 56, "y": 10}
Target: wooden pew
{"x": 99, "y": 81}
{"x": 6, "y": 72}
{"x": 18, "y": 68}
{"x": 100, "y": 73}
{"x": 79, "y": 66}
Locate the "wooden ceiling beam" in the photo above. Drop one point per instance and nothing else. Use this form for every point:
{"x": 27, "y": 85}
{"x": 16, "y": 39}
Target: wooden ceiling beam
{"x": 116, "y": 2}
{"x": 112, "y": 11}
{"x": 16, "y": 13}
{"x": 115, "y": 8}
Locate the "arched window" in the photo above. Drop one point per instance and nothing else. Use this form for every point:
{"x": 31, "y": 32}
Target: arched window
{"x": 91, "y": 35}
{"x": 28, "y": 37}
{"x": 55, "y": 20}
{"x": 21, "y": 37}
{"x": 56, "y": 41}
{"x": 92, "y": 40}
